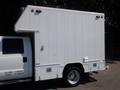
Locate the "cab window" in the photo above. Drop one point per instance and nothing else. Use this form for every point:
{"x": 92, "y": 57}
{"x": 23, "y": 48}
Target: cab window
{"x": 12, "y": 46}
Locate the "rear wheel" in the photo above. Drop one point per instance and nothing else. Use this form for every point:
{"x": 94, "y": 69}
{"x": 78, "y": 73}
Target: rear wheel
{"x": 73, "y": 76}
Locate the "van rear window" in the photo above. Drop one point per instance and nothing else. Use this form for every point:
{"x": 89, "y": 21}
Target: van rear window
{"x": 12, "y": 46}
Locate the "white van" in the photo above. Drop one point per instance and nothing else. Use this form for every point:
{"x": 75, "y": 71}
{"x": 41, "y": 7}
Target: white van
{"x": 63, "y": 44}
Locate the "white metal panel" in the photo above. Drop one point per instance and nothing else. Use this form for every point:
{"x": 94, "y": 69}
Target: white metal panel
{"x": 46, "y": 72}
{"x": 5, "y": 62}
{"x": 11, "y": 67}
{"x": 26, "y": 22}
{"x": 65, "y": 36}
{"x": 29, "y": 21}
{"x": 28, "y": 54}
{"x": 1, "y": 45}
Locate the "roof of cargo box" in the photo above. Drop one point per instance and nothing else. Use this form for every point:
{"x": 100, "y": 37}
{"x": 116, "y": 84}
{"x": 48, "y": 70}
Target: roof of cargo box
{"x": 61, "y": 9}
{"x": 31, "y": 17}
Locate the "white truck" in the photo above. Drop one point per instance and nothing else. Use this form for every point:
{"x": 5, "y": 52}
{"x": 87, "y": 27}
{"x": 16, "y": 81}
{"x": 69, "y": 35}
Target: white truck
{"x": 53, "y": 43}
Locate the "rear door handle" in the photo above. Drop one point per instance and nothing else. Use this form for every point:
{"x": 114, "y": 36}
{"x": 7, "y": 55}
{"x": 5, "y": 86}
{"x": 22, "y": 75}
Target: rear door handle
{"x": 24, "y": 59}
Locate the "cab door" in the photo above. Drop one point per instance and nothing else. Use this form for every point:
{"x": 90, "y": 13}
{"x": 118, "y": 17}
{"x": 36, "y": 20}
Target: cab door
{"x": 14, "y": 61}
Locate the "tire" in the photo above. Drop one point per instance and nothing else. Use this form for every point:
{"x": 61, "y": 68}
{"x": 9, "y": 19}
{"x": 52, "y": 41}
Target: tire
{"x": 73, "y": 76}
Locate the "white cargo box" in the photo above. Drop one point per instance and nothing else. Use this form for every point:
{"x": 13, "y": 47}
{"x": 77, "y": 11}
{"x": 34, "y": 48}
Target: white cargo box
{"x": 62, "y": 37}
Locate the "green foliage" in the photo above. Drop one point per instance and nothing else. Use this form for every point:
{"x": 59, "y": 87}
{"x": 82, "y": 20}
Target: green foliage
{"x": 50, "y": 3}
{"x": 88, "y": 5}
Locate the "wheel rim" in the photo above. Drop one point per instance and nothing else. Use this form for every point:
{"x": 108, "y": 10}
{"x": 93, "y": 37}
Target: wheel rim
{"x": 73, "y": 77}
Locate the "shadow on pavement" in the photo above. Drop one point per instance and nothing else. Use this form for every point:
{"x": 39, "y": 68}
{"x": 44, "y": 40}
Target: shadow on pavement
{"x": 44, "y": 85}
{"x": 112, "y": 61}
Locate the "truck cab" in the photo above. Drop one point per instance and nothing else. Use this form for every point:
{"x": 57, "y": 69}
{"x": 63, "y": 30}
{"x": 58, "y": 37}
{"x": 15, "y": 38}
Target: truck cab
{"x": 15, "y": 58}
